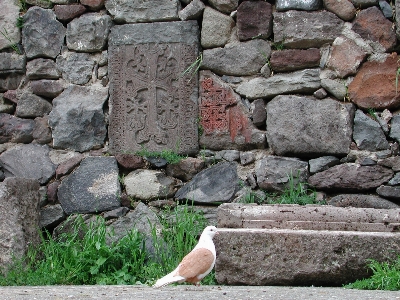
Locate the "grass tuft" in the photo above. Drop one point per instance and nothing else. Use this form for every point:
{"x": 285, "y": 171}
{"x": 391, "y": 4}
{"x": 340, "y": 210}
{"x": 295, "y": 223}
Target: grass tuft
{"x": 84, "y": 258}
{"x": 71, "y": 259}
{"x": 169, "y": 155}
{"x": 296, "y": 193}
{"x": 4, "y": 32}
{"x": 386, "y": 276}
{"x": 182, "y": 228}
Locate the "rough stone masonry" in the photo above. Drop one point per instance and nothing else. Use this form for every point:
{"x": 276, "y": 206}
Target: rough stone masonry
{"x": 249, "y": 91}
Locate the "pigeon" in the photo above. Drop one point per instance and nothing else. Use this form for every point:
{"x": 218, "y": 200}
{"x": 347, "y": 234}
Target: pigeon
{"x": 196, "y": 264}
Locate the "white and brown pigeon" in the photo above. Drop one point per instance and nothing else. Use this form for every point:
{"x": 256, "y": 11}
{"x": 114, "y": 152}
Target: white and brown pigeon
{"x": 196, "y": 264}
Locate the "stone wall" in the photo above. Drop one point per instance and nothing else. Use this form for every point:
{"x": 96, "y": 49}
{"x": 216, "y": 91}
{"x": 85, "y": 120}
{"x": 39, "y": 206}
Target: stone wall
{"x": 284, "y": 87}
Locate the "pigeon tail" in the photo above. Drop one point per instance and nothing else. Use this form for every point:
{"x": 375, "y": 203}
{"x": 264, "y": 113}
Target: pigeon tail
{"x": 168, "y": 279}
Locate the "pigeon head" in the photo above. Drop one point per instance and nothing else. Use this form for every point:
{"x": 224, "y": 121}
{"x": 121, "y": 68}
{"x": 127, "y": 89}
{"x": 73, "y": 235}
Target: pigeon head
{"x": 210, "y": 231}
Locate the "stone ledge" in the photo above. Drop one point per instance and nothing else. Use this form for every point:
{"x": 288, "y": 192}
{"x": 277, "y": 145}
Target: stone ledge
{"x": 299, "y": 257}
{"x": 308, "y": 217}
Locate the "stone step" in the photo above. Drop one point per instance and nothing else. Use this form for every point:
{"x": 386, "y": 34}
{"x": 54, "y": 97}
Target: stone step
{"x": 302, "y": 245}
{"x": 299, "y": 257}
{"x": 308, "y": 217}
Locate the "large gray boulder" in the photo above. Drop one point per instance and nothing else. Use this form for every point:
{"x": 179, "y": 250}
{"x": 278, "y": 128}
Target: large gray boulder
{"x": 395, "y": 127}
{"x": 42, "y": 34}
{"x": 47, "y": 88}
{"x": 282, "y": 5}
{"x": 225, "y": 6}
{"x": 28, "y": 161}
{"x": 30, "y": 106}
{"x": 142, "y": 219}
{"x": 389, "y": 192}
{"x": 149, "y": 185}
{"x": 11, "y": 63}
{"x": 143, "y": 11}
{"x": 301, "y": 29}
{"x": 305, "y": 81}
{"x": 237, "y": 59}
{"x": 368, "y": 134}
{"x": 51, "y": 215}
{"x": 77, "y": 68}
{"x": 92, "y": 188}
{"x": 305, "y": 126}
{"x": 15, "y": 130}
{"x": 8, "y": 14}
{"x": 42, "y": 68}
{"x": 88, "y": 33}
{"x": 351, "y": 177}
{"x": 275, "y": 173}
{"x": 211, "y": 38}
{"x": 219, "y": 183}
{"x": 77, "y": 119}
{"x": 19, "y": 218}
{"x": 361, "y": 200}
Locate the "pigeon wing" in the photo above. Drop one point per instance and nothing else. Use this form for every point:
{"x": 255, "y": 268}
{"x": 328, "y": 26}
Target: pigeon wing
{"x": 196, "y": 263}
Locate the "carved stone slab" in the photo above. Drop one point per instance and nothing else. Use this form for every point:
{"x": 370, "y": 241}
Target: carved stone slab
{"x": 223, "y": 118}
{"x": 153, "y": 101}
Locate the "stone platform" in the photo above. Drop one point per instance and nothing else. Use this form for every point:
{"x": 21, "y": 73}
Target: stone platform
{"x": 302, "y": 245}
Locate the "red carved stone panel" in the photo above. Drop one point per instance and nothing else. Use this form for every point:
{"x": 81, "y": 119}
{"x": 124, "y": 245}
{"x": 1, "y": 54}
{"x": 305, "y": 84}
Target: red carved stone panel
{"x": 215, "y": 101}
{"x": 223, "y": 117}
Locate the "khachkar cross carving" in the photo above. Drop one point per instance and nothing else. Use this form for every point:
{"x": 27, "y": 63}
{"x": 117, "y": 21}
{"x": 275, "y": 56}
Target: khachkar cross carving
{"x": 214, "y": 107}
{"x": 152, "y": 92}
{"x": 152, "y": 101}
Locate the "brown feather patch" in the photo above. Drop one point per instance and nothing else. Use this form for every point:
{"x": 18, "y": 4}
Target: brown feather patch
{"x": 195, "y": 263}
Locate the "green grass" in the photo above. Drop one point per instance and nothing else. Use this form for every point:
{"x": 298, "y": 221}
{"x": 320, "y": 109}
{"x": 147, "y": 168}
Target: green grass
{"x": 182, "y": 227}
{"x": 72, "y": 259}
{"x": 4, "y": 32}
{"x": 279, "y": 46}
{"x": 84, "y": 258}
{"x": 372, "y": 113}
{"x": 386, "y": 276}
{"x": 169, "y": 155}
{"x": 296, "y": 193}
{"x": 193, "y": 68}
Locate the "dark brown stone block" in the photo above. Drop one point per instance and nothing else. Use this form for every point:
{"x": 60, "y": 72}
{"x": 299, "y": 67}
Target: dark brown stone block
{"x": 46, "y": 88}
{"x": 130, "y": 161}
{"x": 374, "y": 86}
{"x": 371, "y": 24}
{"x": 254, "y": 19}
{"x": 294, "y": 59}
{"x": 68, "y": 12}
{"x": 93, "y": 4}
